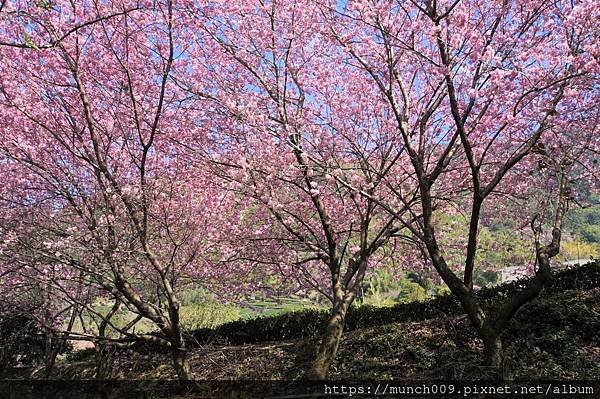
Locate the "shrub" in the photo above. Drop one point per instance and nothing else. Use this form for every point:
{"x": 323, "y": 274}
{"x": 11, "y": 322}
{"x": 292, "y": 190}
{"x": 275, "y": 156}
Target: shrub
{"x": 308, "y": 323}
{"x": 23, "y": 343}
{"x": 207, "y": 315}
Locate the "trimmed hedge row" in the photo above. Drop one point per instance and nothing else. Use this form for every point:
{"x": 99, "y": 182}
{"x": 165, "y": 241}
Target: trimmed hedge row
{"x": 308, "y": 323}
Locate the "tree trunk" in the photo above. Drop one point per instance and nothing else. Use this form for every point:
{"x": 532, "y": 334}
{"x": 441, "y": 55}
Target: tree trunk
{"x": 50, "y": 362}
{"x": 329, "y": 343}
{"x": 494, "y": 354}
{"x": 104, "y": 361}
{"x": 181, "y": 364}
{"x": 53, "y": 346}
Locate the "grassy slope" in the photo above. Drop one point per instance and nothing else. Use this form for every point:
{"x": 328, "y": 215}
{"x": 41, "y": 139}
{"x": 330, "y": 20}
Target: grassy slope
{"x": 556, "y": 336}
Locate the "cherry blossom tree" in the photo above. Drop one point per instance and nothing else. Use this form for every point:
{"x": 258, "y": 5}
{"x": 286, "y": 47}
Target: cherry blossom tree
{"x": 98, "y": 201}
{"x": 145, "y": 144}
{"x": 482, "y": 94}
{"x": 296, "y": 132}
{"x": 434, "y": 103}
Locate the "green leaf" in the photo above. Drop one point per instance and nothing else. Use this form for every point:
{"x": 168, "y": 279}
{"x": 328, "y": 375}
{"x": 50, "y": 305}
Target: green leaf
{"x": 45, "y": 4}
{"x": 29, "y": 42}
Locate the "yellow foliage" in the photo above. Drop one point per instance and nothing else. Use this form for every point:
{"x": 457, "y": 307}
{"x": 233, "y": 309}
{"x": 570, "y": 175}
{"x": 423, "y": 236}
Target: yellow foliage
{"x": 578, "y": 249}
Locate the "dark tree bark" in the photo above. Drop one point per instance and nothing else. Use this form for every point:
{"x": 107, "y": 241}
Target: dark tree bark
{"x": 330, "y": 342}
{"x": 493, "y": 353}
{"x": 181, "y": 364}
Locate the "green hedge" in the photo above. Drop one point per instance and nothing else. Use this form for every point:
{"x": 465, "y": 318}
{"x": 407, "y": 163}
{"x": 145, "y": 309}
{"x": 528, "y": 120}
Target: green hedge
{"x": 308, "y": 323}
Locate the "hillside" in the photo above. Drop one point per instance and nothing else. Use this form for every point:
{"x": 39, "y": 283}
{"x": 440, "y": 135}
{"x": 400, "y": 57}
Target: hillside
{"x": 559, "y": 332}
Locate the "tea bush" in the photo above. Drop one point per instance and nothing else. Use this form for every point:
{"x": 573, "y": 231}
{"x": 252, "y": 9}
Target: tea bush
{"x": 308, "y": 323}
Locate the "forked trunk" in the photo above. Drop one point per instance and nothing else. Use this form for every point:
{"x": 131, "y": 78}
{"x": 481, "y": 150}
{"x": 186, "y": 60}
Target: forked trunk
{"x": 181, "y": 364}
{"x": 329, "y": 344}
